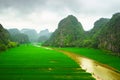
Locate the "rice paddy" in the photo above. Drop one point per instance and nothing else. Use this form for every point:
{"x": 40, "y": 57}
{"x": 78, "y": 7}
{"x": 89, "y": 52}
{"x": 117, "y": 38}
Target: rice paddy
{"x": 28, "y": 62}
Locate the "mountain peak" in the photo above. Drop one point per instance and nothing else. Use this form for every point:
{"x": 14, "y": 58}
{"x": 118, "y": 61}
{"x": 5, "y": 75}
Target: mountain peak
{"x": 44, "y": 32}
{"x": 68, "y": 32}
{"x": 72, "y": 16}
{"x": 69, "y": 20}
{"x": 116, "y": 14}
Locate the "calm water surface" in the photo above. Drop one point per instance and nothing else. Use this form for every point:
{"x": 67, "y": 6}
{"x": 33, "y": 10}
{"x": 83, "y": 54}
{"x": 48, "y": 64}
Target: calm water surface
{"x": 98, "y": 70}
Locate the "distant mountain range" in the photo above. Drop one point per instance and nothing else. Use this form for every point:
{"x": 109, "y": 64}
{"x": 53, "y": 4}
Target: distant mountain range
{"x": 70, "y": 33}
{"x": 44, "y": 35}
{"x": 32, "y": 35}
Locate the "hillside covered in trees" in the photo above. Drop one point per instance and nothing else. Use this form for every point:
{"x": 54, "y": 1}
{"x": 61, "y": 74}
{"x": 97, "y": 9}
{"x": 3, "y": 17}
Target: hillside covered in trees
{"x": 4, "y": 37}
{"x": 69, "y": 33}
{"x": 104, "y": 35}
{"x": 17, "y": 36}
{"x": 5, "y": 41}
{"x": 110, "y": 35}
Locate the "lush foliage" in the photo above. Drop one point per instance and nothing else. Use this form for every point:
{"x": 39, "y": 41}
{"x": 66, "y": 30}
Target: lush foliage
{"x": 5, "y": 39}
{"x": 104, "y": 35}
{"x": 68, "y": 33}
{"x": 110, "y": 35}
{"x": 29, "y": 62}
{"x": 4, "y": 35}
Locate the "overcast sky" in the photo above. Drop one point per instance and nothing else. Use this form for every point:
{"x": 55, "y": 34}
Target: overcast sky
{"x": 46, "y": 14}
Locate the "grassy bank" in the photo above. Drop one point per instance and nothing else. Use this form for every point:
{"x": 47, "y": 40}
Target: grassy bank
{"x": 28, "y": 62}
{"x": 98, "y": 55}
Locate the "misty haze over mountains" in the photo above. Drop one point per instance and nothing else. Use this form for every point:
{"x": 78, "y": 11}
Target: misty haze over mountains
{"x": 104, "y": 35}
{"x": 31, "y": 33}
{"x": 70, "y": 33}
{"x": 59, "y": 39}
{"x": 46, "y": 14}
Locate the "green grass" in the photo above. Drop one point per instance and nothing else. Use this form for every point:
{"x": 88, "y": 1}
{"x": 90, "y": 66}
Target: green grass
{"x": 28, "y": 62}
{"x": 98, "y": 55}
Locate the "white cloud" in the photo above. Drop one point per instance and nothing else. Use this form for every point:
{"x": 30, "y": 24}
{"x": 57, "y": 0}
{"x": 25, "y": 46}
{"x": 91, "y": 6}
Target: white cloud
{"x": 42, "y": 14}
{"x": 88, "y": 21}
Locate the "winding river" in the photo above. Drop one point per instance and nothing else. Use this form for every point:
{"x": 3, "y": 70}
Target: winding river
{"x": 98, "y": 70}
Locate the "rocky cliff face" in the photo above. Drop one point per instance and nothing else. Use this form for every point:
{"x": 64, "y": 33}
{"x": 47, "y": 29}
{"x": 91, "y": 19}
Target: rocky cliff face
{"x": 68, "y": 33}
{"x": 4, "y": 38}
{"x": 105, "y": 34}
{"x": 4, "y": 35}
{"x": 110, "y": 34}
{"x": 94, "y": 34}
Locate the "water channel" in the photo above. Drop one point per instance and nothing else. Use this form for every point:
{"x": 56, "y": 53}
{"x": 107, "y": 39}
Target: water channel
{"x": 98, "y": 70}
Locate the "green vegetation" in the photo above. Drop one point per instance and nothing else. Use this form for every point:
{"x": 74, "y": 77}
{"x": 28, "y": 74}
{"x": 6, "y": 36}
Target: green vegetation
{"x": 110, "y": 35}
{"x": 97, "y": 55}
{"x": 28, "y": 62}
{"x": 18, "y": 37}
{"x": 92, "y": 37}
{"x": 5, "y": 39}
{"x": 68, "y": 33}
{"x": 104, "y": 35}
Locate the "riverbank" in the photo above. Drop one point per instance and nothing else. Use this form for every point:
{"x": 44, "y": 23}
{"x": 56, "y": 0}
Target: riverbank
{"x": 97, "y": 55}
{"x": 98, "y": 70}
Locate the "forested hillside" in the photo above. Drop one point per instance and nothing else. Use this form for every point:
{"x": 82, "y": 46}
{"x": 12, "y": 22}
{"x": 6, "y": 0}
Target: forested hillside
{"x": 92, "y": 37}
{"x": 104, "y": 35}
{"x": 5, "y": 41}
{"x": 68, "y": 33}
{"x": 110, "y": 35}
{"x": 17, "y": 36}
{"x": 4, "y": 37}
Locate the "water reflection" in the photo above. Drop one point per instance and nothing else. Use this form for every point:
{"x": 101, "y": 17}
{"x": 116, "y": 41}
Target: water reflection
{"x": 85, "y": 63}
{"x": 99, "y": 71}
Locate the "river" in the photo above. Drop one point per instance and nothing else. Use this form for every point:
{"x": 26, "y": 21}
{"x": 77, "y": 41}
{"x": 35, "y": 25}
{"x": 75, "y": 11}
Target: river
{"x": 98, "y": 70}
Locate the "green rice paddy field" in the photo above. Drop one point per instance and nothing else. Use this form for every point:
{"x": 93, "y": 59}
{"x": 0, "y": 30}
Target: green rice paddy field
{"x": 28, "y": 62}
{"x": 97, "y": 55}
